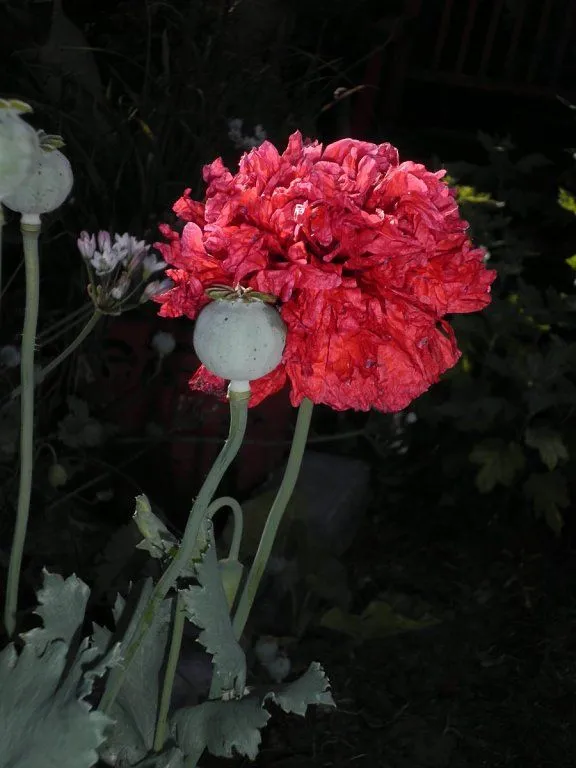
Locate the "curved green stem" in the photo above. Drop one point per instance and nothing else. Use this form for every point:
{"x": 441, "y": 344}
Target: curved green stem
{"x": 238, "y": 417}
{"x": 238, "y": 517}
{"x": 274, "y": 517}
{"x": 170, "y": 674}
{"x": 30, "y": 234}
{"x": 90, "y": 325}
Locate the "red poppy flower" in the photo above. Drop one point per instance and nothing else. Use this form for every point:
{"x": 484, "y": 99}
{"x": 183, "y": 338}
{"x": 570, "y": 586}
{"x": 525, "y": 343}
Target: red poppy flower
{"x": 366, "y": 255}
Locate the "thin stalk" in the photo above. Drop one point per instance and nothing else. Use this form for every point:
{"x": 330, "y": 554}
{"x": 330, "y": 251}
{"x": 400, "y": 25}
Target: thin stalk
{"x": 238, "y": 416}
{"x": 274, "y": 517}
{"x": 86, "y": 331}
{"x": 2, "y": 222}
{"x": 30, "y": 234}
{"x": 238, "y": 522}
{"x": 170, "y": 674}
{"x": 54, "y": 331}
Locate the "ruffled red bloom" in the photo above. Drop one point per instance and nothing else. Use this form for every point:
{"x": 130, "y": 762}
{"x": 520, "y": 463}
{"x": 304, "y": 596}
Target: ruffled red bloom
{"x": 366, "y": 255}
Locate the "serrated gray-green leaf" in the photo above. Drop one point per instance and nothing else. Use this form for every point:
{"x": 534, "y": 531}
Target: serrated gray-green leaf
{"x": 44, "y": 718}
{"x": 313, "y": 687}
{"x": 135, "y": 710}
{"x": 171, "y": 758}
{"x": 222, "y": 727}
{"x": 62, "y": 604}
{"x": 207, "y": 607}
{"x": 226, "y": 727}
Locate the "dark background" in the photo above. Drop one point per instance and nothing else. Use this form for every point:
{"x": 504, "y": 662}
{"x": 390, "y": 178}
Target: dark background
{"x": 142, "y": 93}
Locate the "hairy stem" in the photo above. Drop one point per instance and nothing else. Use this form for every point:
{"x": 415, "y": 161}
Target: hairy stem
{"x": 274, "y": 517}
{"x": 30, "y": 234}
{"x": 170, "y": 674}
{"x": 238, "y": 417}
{"x": 2, "y": 222}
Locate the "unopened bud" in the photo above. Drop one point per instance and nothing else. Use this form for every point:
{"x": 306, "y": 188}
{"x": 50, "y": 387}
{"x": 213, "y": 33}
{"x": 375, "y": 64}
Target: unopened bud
{"x": 57, "y": 476}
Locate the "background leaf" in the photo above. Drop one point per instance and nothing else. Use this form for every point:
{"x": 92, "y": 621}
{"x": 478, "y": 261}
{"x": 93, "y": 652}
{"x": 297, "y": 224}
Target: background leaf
{"x": 378, "y": 620}
{"x": 549, "y": 444}
{"x": 548, "y": 492}
{"x": 500, "y": 463}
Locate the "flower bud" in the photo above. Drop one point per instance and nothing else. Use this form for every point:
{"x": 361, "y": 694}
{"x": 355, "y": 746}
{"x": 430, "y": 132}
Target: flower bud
{"x": 57, "y": 475}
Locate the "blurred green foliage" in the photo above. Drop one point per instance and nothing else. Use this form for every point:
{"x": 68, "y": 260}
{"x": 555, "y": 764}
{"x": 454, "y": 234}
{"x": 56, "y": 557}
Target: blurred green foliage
{"x": 504, "y": 416}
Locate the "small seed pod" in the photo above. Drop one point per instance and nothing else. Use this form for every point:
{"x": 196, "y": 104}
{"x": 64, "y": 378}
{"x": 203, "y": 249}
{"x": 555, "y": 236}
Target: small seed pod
{"x": 239, "y": 340}
{"x": 19, "y": 146}
{"x": 46, "y": 186}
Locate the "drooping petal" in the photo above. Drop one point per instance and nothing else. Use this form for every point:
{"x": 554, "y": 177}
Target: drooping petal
{"x": 206, "y": 381}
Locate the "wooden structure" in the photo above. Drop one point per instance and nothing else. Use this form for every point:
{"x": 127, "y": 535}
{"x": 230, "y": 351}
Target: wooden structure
{"x": 521, "y": 47}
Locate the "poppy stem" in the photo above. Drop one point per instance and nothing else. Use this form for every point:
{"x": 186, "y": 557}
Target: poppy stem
{"x": 2, "y": 222}
{"x": 30, "y": 228}
{"x": 238, "y": 418}
{"x": 170, "y": 673}
{"x": 274, "y": 517}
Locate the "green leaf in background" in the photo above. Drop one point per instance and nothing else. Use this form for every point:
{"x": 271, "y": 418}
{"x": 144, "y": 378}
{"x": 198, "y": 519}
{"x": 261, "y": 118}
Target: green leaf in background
{"x": 45, "y": 720}
{"x": 466, "y": 194}
{"x": 499, "y": 461}
{"x": 548, "y": 492}
{"x": 548, "y": 443}
{"x": 225, "y": 727}
{"x": 377, "y": 621}
{"x": 566, "y": 200}
{"x": 571, "y": 261}
{"x": 207, "y": 607}
{"x": 135, "y": 710}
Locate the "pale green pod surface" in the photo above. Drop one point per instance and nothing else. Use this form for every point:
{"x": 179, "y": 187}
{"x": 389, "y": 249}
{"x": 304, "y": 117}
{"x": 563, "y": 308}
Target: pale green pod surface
{"x": 231, "y": 572}
{"x": 19, "y": 148}
{"x": 239, "y": 340}
{"x": 46, "y": 187}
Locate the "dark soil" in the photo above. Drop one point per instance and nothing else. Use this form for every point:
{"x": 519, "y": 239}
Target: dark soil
{"x": 492, "y": 685}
